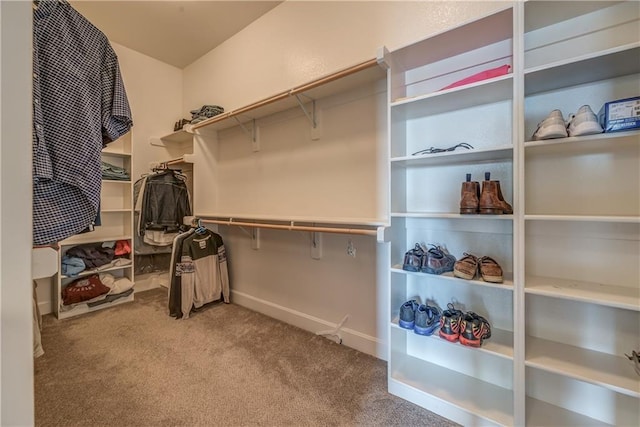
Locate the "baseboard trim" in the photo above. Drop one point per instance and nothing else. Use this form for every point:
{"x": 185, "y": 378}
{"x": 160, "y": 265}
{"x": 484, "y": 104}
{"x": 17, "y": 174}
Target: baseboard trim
{"x": 351, "y": 338}
{"x": 45, "y": 307}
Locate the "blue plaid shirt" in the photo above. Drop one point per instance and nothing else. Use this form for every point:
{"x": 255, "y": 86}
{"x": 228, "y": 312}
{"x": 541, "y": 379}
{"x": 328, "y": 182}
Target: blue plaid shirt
{"x": 79, "y": 105}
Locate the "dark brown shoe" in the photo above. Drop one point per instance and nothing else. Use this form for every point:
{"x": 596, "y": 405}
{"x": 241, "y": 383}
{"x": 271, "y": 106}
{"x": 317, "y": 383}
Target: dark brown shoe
{"x": 490, "y": 203}
{"x": 490, "y": 270}
{"x": 469, "y": 196}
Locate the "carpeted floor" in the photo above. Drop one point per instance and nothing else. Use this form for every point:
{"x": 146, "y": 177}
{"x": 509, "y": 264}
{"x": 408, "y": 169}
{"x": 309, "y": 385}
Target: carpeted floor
{"x": 133, "y": 365}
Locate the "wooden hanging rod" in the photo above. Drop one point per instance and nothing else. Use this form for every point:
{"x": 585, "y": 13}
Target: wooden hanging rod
{"x": 284, "y": 95}
{"x": 174, "y": 161}
{"x": 293, "y": 227}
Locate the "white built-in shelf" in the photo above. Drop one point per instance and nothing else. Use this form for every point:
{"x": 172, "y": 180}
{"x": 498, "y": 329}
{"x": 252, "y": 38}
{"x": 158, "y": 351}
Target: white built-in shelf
{"x": 507, "y": 284}
{"x": 120, "y": 210}
{"x": 448, "y": 215}
{"x": 544, "y": 414}
{"x": 179, "y": 136}
{"x": 595, "y": 293}
{"x": 607, "y": 64}
{"x": 583, "y": 144}
{"x": 91, "y": 237}
{"x": 459, "y": 156}
{"x": 602, "y": 369}
{"x": 480, "y": 93}
{"x": 484, "y": 400}
{"x": 115, "y": 154}
{"x": 84, "y": 308}
{"x": 632, "y": 219}
{"x": 450, "y": 42}
{"x": 116, "y": 181}
{"x": 500, "y": 344}
{"x": 362, "y": 74}
{"x": 96, "y": 271}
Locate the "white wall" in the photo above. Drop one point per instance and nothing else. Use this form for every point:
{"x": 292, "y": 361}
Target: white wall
{"x": 16, "y": 356}
{"x": 294, "y": 43}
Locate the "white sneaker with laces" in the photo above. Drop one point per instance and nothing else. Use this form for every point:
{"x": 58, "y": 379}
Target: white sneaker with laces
{"x": 551, "y": 127}
{"x": 584, "y": 122}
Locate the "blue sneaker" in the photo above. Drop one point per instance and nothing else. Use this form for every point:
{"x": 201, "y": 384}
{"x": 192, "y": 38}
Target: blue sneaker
{"x": 408, "y": 314}
{"x": 427, "y": 319}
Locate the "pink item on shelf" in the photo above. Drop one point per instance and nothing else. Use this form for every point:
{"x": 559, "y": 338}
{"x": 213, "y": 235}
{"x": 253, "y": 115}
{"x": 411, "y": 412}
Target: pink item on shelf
{"x": 482, "y": 75}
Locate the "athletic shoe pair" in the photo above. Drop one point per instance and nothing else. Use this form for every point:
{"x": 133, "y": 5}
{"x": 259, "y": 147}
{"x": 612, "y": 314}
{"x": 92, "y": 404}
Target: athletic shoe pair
{"x": 436, "y": 260}
{"x": 422, "y": 318}
{"x": 469, "y": 328}
{"x": 584, "y": 122}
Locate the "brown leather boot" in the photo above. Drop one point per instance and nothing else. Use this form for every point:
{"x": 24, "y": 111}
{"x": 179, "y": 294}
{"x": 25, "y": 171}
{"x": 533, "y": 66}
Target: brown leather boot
{"x": 469, "y": 196}
{"x": 506, "y": 207}
{"x": 490, "y": 203}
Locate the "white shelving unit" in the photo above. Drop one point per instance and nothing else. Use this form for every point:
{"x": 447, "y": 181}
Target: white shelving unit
{"x": 569, "y": 307}
{"x": 116, "y": 215}
{"x": 581, "y": 214}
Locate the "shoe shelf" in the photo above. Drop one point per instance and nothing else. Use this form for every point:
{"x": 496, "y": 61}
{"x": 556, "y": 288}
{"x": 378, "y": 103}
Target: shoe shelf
{"x": 500, "y": 344}
{"x": 461, "y": 156}
{"x": 448, "y": 215}
{"x": 486, "y": 401}
{"x": 507, "y": 284}
{"x": 584, "y": 144}
{"x": 608, "y": 64}
{"x": 540, "y": 413}
{"x": 594, "y": 367}
{"x": 488, "y": 91}
{"x": 623, "y": 297}
{"x": 632, "y": 219}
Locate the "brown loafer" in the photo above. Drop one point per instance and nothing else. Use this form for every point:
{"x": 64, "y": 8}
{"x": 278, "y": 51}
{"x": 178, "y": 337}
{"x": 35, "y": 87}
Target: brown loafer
{"x": 490, "y": 270}
{"x": 466, "y": 267}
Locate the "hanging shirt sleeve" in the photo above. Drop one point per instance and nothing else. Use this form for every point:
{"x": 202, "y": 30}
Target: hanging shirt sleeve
{"x": 116, "y": 114}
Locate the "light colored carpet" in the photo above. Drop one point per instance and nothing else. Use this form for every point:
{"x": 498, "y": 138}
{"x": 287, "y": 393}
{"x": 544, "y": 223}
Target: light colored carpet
{"x": 133, "y": 365}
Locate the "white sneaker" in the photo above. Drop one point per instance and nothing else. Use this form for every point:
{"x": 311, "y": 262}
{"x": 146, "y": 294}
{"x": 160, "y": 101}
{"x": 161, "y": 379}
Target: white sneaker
{"x": 551, "y": 127}
{"x": 584, "y": 122}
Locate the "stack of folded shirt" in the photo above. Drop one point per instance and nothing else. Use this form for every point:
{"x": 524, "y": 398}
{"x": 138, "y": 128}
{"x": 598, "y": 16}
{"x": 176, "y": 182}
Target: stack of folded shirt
{"x": 96, "y": 289}
{"x": 113, "y": 172}
{"x": 205, "y": 112}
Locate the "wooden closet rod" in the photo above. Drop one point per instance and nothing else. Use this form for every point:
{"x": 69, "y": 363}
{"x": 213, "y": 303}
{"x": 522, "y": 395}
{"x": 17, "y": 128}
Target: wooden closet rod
{"x": 284, "y": 95}
{"x": 335, "y": 230}
{"x": 174, "y": 161}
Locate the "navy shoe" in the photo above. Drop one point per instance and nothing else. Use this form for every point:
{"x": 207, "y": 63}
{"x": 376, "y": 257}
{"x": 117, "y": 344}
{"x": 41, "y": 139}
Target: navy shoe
{"x": 413, "y": 259}
{"x": 427, "y": 319}
{"x": 408, "y": 314}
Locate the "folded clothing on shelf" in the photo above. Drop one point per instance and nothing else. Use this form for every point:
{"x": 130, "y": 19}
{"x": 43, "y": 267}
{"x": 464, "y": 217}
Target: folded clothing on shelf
{"x": 205, "y": 112}
{"x": 114, "y": 173}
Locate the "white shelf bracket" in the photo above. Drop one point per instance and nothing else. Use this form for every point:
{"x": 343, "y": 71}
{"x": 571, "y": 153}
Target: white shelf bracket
{"x": 313, "y": 116}
{"x": 316, "y": 245}
{"x": 255, "y": 238}
{"x": 252, "y": 133}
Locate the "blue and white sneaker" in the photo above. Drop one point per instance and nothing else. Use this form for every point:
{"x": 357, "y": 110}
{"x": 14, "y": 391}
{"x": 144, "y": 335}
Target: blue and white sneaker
{"x": 427, "y": 319}
{"x": 408, "y": 314}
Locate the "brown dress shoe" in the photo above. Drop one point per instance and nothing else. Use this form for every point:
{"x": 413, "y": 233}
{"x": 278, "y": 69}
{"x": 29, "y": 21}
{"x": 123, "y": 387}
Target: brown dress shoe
{"x": 490, "y": 270}
{"x": 469, "y": 196}
{"x": 466, "y": 267}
